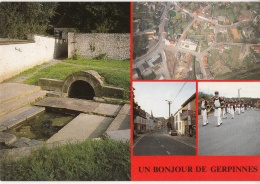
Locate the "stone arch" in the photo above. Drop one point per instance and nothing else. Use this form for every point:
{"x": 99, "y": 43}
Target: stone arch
{"x": 87, "y": 79}
{"x": 82, "y": 90}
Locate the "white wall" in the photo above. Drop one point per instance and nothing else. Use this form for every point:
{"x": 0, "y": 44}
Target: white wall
{"x": 15, "y": 58}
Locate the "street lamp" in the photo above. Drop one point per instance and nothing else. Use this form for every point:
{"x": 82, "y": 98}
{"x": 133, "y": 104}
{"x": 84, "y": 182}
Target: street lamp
{"x": 239, "y": 94}
{"x": 169, "y": 102}
{"x": 169, "y": 121}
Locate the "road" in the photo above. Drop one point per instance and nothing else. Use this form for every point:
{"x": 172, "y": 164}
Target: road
{"x": 161, "y": 37}
{"x": 239, "y": 136}
{"x": 160, "y": 143}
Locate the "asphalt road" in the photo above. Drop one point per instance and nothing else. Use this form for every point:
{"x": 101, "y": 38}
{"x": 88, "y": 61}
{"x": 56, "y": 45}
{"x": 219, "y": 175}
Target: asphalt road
{"x": 160, "y": 143}
{"x": 239, "y": 136}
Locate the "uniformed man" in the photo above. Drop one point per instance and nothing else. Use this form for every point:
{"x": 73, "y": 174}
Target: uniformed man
{"x": 238, "y": 108}
{"x": 232, "y": 110}
{"x": 242, "y": 107}
{"x": 204, "y": 115}
{"x": 228, "y": 107}
{"x": 223, "y": 110}
{"x": 217, "y": 105}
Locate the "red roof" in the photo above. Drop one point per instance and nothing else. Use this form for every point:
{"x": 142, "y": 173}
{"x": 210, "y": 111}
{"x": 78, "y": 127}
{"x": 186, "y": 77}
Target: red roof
{"x": 205, "y": 59}
{"x": 256, "y": 47}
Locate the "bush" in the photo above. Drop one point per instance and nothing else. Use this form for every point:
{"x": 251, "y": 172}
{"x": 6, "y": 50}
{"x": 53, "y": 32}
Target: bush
{"x": 101, "y": 56}
{"x": 90, "y": 160}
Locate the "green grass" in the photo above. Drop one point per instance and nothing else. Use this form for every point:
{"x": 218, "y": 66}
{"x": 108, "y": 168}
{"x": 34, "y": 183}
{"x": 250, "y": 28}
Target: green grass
{"x": 197, "y": 37}
{"x": 26, "y": 72}
{"x": 103, "y": 160}
{"x": 172, "y": 13}
{"x": 116, "y": 78}
{"x": 58, "y": 71}
{"x": 114, "y": 72}
{"x": 121, "y": 65}
{"x": 203, "y": 45}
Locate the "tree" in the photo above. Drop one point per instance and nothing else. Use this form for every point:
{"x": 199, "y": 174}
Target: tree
{"x": 140, "y": 45}
{"x": 21, "y": 18}
{"x": 97, "y": 17}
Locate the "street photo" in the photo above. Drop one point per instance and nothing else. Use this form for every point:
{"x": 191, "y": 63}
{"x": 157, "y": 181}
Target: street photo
{"x": 164, "y": 117}
{"x": 229, "y": 118}
{"x": 196, "y": 40}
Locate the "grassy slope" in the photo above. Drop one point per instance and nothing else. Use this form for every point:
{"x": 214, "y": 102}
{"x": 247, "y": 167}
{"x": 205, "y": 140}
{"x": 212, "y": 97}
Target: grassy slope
{"x": 115, "y": 73}
{"x": 90, "y": 160}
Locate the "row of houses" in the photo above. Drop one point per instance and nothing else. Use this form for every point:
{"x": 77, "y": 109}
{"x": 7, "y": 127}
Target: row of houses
{"x": 145, "y": 122}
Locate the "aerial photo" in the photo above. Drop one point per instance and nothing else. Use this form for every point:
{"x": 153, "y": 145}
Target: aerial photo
{"x": 196, "y": 40}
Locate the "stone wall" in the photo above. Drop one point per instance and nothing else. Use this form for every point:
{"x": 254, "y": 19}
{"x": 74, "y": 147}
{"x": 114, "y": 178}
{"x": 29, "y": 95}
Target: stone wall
{"x": 115, "y": 46}
{"x": 15, "y": 58}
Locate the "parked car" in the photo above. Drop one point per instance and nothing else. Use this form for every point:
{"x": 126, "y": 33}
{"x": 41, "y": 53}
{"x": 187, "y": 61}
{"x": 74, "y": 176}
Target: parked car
{"x": 173, "y": 133}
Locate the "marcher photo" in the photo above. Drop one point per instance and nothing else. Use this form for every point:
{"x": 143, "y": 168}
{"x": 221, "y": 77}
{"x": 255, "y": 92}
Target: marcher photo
{"x": 229, "y": 118}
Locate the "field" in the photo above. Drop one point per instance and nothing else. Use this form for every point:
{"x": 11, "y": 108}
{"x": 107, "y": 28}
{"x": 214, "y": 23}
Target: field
{"x": 235, "y": 34}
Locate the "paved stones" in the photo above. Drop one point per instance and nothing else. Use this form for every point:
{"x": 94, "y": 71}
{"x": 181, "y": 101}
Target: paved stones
{"x": 122, "y": 120}
{"x": 119, "y": 135}
{"x": 107, "y": 109}
{"x": 6, "y": 138}
{"x": 83, "y": 127}
{"x": 80, "y": 105}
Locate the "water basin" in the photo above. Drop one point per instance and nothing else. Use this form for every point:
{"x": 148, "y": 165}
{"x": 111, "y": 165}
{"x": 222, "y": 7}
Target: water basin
{"x": 43, "y": 125}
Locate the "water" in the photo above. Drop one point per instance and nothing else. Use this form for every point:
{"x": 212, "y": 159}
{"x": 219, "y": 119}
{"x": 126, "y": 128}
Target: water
{"x": 43, "y": 125}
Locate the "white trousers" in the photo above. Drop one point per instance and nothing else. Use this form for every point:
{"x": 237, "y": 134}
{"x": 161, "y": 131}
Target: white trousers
{"x": 238, "y": 110}
{"x": 204, "y": 116}
{"x": 232, "y": 112}
{"x": 224, "y": 113}
{"x": 228, "y": 110}
{"x": 242, "y": 109}
{"x": 217, "y": 113}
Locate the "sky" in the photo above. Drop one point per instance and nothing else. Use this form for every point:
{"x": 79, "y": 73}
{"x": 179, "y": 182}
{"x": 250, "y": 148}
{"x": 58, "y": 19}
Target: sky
{"x": 230, "y": 89}
{"x": 151, "y": 96}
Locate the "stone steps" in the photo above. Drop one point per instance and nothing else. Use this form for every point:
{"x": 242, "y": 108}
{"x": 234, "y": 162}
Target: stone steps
{"x": 17, "y": 103}
{"x": 12, "y": 91}
{"x": 13, "y": 114}
{"x": 20, "y": 117}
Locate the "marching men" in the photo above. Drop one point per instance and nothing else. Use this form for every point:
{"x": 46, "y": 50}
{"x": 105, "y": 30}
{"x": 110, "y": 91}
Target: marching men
{"x": 222, "y": 108}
